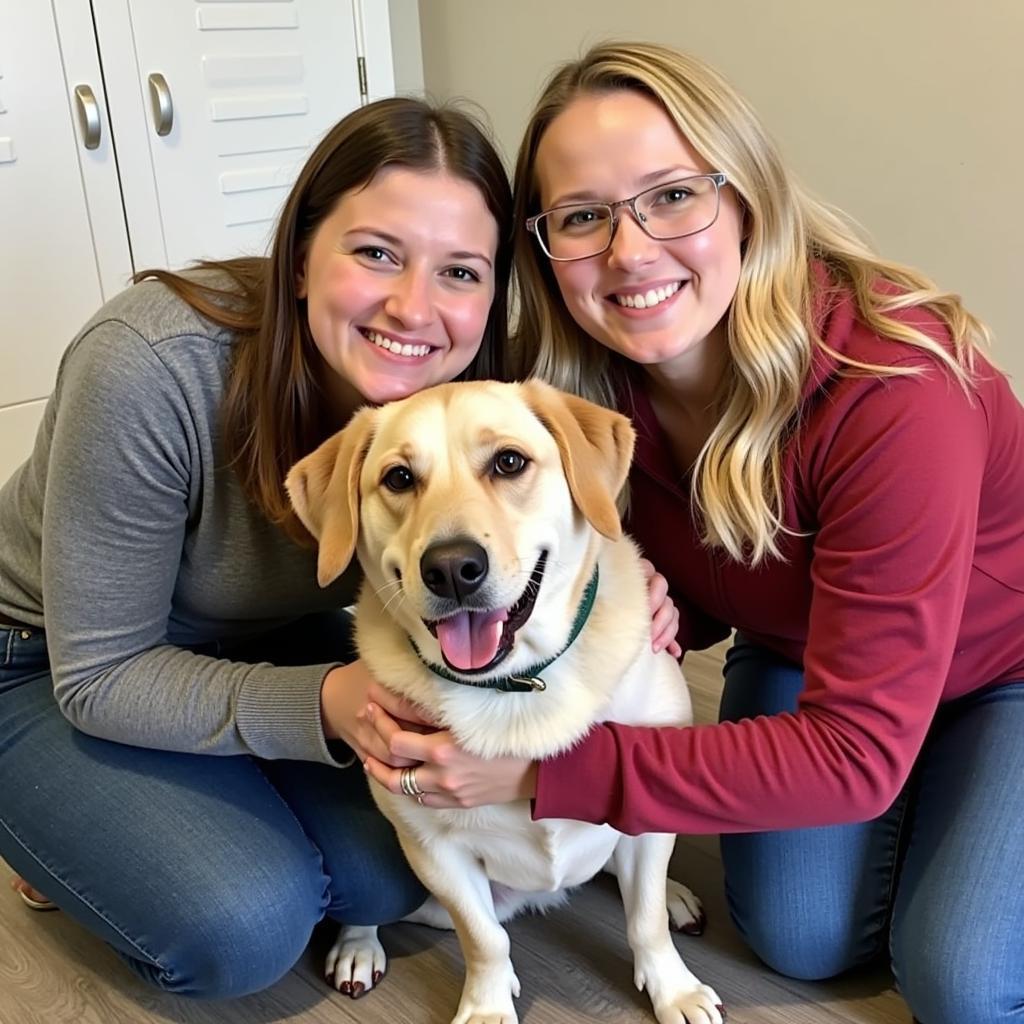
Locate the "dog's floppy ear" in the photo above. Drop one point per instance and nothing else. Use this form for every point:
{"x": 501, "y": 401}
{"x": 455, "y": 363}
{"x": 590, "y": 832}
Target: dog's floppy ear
{"x": 596, "y": 446}
{"x": 324, "y": 491}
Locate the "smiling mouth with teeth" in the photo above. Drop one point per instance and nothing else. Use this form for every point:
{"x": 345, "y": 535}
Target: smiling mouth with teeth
{"x": 395, "y": 347}
{"x": 473, "y": 642}
{"x": 652, "y": 297}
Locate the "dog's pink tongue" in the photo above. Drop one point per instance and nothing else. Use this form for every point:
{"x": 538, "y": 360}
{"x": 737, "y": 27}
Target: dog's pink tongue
{"x": 470, "y": 639}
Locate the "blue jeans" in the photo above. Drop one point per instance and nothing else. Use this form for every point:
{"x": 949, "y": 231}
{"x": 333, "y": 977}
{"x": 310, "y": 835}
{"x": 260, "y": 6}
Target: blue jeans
{"x": 206, "y": 873}
{"x": 938, "y": 880}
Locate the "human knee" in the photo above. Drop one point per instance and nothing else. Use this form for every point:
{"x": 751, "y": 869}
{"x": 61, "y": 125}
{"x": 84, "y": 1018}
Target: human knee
{"x": 795, "y": 937}
{"x": 952, "y": 977}
{"x": 806, "y": 950}
{"x": 232, "y": 947}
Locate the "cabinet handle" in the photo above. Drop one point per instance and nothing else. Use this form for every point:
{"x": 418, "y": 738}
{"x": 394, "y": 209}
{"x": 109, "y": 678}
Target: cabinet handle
{"x": 163, "y": 109}
{"x": 88, "y": 116}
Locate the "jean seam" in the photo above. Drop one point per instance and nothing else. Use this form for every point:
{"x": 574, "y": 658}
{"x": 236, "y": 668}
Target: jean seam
{"x": 894, "y": 874}
{"x": 894, "y": 847}
{"x": 298, "y": 824}
{"x": 8, "y": 654}
{"x": 155, "y": 961}
{"x": 288, "y": 807}
{"x": 302, "y": 829}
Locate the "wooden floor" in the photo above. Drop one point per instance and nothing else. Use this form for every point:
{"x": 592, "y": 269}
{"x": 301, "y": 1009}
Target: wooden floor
{"x": 574, "y": 963}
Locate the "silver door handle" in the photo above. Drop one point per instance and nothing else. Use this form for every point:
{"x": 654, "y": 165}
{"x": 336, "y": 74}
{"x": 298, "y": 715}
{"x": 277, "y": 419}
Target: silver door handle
{"x": 160, "y": 98}
{"x": 88, "y": 116}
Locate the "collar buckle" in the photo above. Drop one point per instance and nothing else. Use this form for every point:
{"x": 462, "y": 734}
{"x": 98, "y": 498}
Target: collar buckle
{"x": 535, "y": 683}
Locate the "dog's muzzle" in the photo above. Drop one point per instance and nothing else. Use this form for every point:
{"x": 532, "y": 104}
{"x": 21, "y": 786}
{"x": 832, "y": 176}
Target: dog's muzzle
{"x": 473, "y": 640}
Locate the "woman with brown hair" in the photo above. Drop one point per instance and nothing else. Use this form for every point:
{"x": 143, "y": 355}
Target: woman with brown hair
{"x": 176, "y": 694}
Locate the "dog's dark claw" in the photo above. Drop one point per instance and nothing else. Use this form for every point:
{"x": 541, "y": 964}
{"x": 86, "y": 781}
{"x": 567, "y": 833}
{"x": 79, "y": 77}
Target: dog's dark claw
{"x": 345, "y": 988}
{"x": 358, "y": 990}
{"x": 721, "y": 1009}
{"x": 377, "y": 975}
{"x": 695, "y": 927}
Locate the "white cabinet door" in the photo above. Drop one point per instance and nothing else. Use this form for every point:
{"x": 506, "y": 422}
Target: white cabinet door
{"x": 50, "y": 275}
{"x": 247, "y": 88}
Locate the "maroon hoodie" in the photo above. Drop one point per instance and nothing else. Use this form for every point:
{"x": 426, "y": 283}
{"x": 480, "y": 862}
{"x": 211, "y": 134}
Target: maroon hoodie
{"x": 901, "y": 587}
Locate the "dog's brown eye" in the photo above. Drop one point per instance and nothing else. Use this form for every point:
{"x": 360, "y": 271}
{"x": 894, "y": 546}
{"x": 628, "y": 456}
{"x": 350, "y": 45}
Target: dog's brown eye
{"x": 509, "y": 462}
{"x": 398, "y": 479}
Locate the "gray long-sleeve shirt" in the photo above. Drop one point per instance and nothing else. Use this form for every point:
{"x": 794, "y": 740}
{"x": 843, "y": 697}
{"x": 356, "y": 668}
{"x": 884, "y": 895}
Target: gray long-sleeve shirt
{"x": 128, "y": 538}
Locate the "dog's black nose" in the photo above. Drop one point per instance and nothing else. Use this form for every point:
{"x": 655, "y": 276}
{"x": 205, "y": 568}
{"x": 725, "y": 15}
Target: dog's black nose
{"x": 454, "y": 568}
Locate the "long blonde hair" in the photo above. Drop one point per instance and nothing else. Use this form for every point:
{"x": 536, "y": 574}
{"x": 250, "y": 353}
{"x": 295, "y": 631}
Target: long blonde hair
{"x": 737, "y": 479}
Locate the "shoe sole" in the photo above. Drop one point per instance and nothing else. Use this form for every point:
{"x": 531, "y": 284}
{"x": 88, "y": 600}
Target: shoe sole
{"x": 33, "y": 904}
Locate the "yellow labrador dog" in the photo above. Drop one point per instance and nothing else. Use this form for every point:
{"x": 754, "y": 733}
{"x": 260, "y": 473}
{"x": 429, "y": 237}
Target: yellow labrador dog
{"x": 501, "y": 595}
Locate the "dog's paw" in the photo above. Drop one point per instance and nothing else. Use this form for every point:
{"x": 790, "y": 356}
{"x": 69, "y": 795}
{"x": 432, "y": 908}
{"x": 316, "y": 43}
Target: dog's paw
{"x": 480, "y": 1015}
{"x": 356, "y": 962}
{"x": 699, "y": 1005}
{"x": 487, "y": 998}
{"x": 685, "y": 912}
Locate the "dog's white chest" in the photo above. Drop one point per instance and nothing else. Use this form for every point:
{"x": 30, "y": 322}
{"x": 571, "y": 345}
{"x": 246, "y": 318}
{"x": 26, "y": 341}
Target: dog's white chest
{"x": 531, "y": 856}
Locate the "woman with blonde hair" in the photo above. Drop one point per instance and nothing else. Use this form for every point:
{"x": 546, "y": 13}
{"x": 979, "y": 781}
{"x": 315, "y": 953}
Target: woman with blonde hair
{"x": 828, "y": 464}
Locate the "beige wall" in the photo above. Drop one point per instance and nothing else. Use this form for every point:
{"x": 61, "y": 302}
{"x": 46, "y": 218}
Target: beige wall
{"x": 906, "y": 113}
{"x": 406, "y": 48}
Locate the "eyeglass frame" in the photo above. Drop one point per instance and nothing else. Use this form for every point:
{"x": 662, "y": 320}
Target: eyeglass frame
{"x": 718, "y": 177}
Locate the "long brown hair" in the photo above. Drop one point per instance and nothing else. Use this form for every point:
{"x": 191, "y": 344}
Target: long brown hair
{"x": 737, "y": 489}
{"x": 275, "y": 407}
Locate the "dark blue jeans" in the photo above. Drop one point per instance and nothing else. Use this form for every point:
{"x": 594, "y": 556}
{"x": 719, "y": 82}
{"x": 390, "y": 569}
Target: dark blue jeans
{"x": 936, "y": 881}
{"x": 206, "y": 873}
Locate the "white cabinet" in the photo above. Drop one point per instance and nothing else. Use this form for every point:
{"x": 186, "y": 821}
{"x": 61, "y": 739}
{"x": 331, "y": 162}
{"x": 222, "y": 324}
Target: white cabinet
{"x": 149, "y": 133}
{"x": 50, "y": 276}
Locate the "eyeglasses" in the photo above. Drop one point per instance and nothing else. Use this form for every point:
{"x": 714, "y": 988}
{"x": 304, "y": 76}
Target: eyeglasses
{"x": 674, "y": 210}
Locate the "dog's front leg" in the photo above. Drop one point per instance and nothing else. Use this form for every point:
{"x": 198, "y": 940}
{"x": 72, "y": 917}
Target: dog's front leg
{"x": 641, "y": 865}
{"x": 458, "y": 881}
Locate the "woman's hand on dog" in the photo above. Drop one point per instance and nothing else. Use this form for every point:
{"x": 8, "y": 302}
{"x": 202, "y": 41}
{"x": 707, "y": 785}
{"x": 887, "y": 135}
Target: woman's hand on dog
{"x": 446, "y": 774}
{"x": 388, "y": 733}
{"x": 664, "y": 613}
{"x": 346, "y": 693}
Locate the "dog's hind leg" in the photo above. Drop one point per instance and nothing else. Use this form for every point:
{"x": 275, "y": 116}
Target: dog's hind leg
{"x": 685, "y": 910}
{"x": 641, "y": 865}
{"x": 432, "y": 914}
{"x": 356, "y": 961}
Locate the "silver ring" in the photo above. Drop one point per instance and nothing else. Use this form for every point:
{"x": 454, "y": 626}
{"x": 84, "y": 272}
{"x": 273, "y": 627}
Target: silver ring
{"x": 407, "y": 780}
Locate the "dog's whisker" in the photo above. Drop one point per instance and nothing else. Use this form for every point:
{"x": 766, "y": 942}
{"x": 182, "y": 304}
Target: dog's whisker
{"x": 387, "y": 599}
{"x": 400, "y": 594}
{"x": 384, "y": 586}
